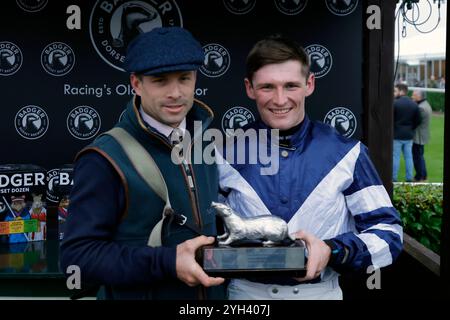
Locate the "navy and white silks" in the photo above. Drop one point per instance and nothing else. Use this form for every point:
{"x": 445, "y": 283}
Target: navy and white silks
{"x": 326, "y": 185}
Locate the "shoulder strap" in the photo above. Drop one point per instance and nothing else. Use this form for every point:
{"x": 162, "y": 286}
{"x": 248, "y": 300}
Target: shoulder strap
{"x": 149, "y": 171}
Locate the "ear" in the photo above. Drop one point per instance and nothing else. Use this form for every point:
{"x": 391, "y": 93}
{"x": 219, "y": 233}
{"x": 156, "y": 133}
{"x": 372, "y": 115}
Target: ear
{"x": 310, "y": 84}
{"x": 136, "y": 84}
{"x": 249, "y": 89}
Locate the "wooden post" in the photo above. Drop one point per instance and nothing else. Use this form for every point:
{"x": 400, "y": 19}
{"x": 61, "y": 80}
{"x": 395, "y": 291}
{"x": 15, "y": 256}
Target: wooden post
{"x": 445, "y": 228}
{"x": 378, "y": 90}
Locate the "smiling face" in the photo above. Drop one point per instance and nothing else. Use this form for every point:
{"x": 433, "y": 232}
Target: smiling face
{"x": 280, "y": 90}
{"x": 166, "y": 97}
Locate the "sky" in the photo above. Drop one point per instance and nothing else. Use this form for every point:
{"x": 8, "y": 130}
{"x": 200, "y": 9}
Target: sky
{"x": 432, "y": 43}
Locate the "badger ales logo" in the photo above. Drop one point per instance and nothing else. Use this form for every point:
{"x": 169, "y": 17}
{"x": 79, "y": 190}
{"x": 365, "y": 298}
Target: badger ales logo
{"x": 236, "y": 118}
{"x": 10, "y": 58}
{"x": 32, "y": 5}
{"x": 343, "y": 120}
{"x": 52, "y": 181}
{"x": 83, "y": 122}
{"x": 57, "y": 59}
{"x": 217, "y": 60}
{"x": 320, "y": 59}
{"x": 114, "y": 24}
{"x": 239, "y": 6}
{"x": 31, "y": 122}
{"x": 290, "y": 7}
{"x": 341, "y": 7}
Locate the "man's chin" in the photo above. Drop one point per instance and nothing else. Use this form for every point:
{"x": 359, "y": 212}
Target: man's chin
{"x": 280, "y": 125}
{"x": 173, "y": 121}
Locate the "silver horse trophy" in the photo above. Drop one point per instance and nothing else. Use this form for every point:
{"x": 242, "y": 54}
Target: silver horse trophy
{"x": 253, "y": 247}
{"x": 269, "y": 229}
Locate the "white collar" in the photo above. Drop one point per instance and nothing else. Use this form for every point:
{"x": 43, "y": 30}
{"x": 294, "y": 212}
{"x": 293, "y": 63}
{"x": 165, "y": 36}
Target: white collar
{"x": 161, "y": 127}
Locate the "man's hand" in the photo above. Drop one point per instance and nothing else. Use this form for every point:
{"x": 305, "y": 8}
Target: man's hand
{"x": 188, "y": 270}
{"x": 318, "y": 255}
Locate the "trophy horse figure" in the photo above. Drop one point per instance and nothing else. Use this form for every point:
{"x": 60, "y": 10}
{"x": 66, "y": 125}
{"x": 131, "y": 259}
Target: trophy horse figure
{"x": 268, "y": 228}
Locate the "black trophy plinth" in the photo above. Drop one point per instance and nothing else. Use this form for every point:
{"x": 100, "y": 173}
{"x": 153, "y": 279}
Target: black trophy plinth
{"x": 250, "y": 259}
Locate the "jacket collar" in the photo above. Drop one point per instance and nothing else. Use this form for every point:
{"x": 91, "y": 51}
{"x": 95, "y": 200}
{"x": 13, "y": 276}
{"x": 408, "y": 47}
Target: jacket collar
{"x": 298, "y": 138}
{"x": 159, "y": 126}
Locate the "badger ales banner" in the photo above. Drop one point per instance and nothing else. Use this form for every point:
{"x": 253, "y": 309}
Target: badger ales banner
{"x": 61, "y": 64}
{"x": 23, "y": 210}
{"x": 59, "y": 186}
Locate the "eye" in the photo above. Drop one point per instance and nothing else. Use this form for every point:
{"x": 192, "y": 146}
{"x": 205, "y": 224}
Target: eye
{"x": 292, "y": 86}
{"x": 158, "y": 80}
{"x": 266, "y": 87}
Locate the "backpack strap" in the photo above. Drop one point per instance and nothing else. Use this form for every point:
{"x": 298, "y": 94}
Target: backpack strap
{"x": 147, "y": 168}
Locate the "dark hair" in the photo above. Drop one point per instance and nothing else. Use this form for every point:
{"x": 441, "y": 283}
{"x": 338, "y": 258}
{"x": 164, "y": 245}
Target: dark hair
{"x": 275, "y": 49}
{"x": 402, "y": 87}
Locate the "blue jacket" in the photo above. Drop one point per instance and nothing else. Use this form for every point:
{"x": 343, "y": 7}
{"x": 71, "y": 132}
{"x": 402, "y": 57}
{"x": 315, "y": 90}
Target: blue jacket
{"x": 112, "y": 212}
{"x": 326, "y": 185}
{"x": 406, "y": 118}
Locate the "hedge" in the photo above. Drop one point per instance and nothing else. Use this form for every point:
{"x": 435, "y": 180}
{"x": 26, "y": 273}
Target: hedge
{"x": 436, "y": 100}
{"x": 420, "y": 208}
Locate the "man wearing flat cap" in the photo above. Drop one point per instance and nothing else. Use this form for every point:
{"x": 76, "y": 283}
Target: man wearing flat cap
{"x": 114, "y": 209}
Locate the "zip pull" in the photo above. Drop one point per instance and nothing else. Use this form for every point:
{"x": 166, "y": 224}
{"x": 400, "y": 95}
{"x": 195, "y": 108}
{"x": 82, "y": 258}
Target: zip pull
{"x": 189, "y": 175}
{"x": 191, "y": 183}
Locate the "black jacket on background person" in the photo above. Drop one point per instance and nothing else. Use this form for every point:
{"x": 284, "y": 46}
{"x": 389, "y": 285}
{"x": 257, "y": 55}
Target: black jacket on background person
{"x": 406, "y": 118}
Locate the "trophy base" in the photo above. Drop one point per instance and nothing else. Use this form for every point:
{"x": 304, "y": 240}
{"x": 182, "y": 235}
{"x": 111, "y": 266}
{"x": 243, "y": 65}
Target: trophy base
{"x": 250, "y": 260}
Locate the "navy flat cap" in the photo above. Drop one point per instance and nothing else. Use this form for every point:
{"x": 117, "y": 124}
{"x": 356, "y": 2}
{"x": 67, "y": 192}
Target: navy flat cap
{"x": 163, "y": 50}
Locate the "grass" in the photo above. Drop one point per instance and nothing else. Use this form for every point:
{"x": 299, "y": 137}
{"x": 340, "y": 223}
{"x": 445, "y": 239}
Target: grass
{"x": 434, "y": 151}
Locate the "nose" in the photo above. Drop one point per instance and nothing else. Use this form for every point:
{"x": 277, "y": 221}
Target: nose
{"x": 174, "y": 91}
{"x": 279, "y": 97}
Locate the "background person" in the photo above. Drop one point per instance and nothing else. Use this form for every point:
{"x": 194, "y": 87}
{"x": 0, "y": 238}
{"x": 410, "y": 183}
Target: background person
{"x": 421, "y": 135}
{"x": 406, "y": 119}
